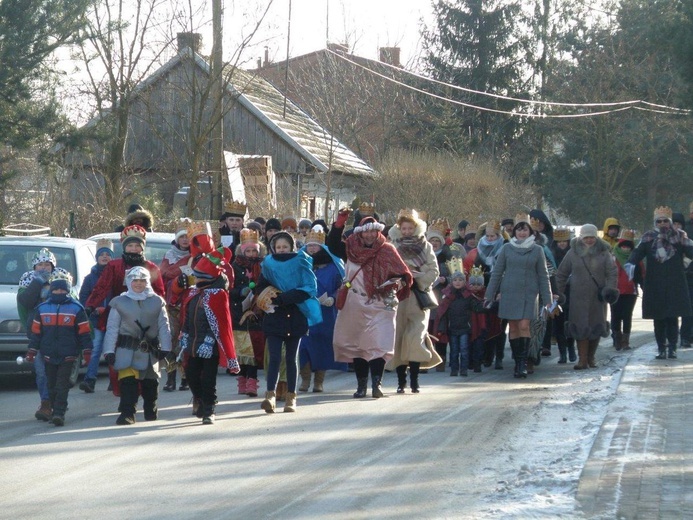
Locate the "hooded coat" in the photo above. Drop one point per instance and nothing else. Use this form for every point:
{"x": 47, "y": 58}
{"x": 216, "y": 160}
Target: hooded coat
{"x": 605, "y": 231}
{"x": 587, "y": 314}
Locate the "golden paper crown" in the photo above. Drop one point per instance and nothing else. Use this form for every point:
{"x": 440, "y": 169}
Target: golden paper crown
{"x": 315, "y": 236}
{"x": 182, "y": 226}
{"x": 410, "y": 215}
{"x": 133, "y": 231}
{"x": 367, "y": 209}
{"x": 104, "y": 242}
{"x": 441, "y": 226}
{"x": 199, "y": 228}
{"x": 476, "y": 275}
{"x": 561, "y": 234}
{"x": 249, "y": 236}
{"x": 264, "y": 299}
{"x": 521, "y": 217}
{"x": 493, "y": 226}
{"x": 663, "y": 212}
{"x": 626, "y": 234}
{"x": 455, "y": 265}
{"x": 236, "y": 208}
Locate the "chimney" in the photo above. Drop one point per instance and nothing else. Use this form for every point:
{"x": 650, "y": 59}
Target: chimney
{"x": 341, "y": 48}
{"x": 390, "y": 55}
{"x": 266, "y": 56}
{"x": 188, "y": 40}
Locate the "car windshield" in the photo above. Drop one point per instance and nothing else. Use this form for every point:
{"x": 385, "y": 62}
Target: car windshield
{"x": 15, "y": 260}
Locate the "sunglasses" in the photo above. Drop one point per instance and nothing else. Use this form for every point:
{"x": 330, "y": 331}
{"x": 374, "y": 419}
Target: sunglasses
{"x": 661, "y": 220}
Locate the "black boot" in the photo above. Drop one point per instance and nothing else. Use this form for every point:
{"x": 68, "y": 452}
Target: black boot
{"x": 377, "y": 389}
{"x": 150, "y": 395}
{"x": 361, "y": 387}
{"x": 170, "y": 385}
{"x": 562, "y": 350}
{"x": 401, "y": 378}
{"x": 500, "y": 351}
{"x": 523, "y": 351}
{"x": 414, "y": 367}
{"x": 128, "y": 401}
{"x": 377, "y": 367}
{"x": 208, "y": 414}
{"x": 514, "y": 348}
{"x": 672, "y": 351}
{"x": 662, "y": 351}
{"x": 572, "y": 356}
{"x": 361, "y": 370}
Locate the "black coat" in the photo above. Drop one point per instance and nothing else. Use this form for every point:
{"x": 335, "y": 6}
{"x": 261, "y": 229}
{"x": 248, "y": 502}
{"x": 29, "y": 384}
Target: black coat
{"x": 287, "y": 320}
{"x": 665, "y": 291}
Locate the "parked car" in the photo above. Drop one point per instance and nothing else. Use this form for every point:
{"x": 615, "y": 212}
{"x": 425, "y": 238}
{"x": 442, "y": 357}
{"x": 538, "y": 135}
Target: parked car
{"x": 73, "y": 254}
{"x": 157, "y": 244}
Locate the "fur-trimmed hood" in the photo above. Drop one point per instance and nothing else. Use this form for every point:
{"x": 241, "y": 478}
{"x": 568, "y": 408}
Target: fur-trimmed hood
{"x": 146, "y": 217}
{"x": 419, "y": 230}
{"x": 600, "y": 246}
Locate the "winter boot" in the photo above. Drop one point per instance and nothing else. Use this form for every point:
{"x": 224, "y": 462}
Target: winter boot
{"x": 414, "y": 368}
{"x": 282, "y": 388}
{"x": 662, "y": 351}
{"x": 583, "y": 347}
{"x": 87, "y": 385}
{"x": 270, "y": 402}
{"x": 44, "y": 412}
{"x": 361, "y": 387}
{"x": 500, "y": 351}
{"x": 377, "y": 390}
{"x": 562, "y": 350}
{"x": 514, "y": 348}
{"x": 58, "y": 420}
{"x": 592, "y": 350}
{"x": 183, "y": 384}
{"x": 305, "y": 378}
{"x": 290, "y": 405}
{"x": 401, "y": 379}
{"x": 672, "y": 351}
{"x": 208, "y": 419}
{"x": 150, "y": 396}
{"x": 499, "y": 363}
{"x": 251, "y": 387}
{"x": 625, "y": 341}
{"x": 170, "y": 385}
{"x": 128, "y": 400}
{"x": 523, "y": 350}
{"x": 318, "y": 381}
{"x": 207, "y": 414}
{"x": 197, "y": 407}
{"x": 242, "y": 385}
{"x": 616, "y": 340}
{"x": 571, "y": 350}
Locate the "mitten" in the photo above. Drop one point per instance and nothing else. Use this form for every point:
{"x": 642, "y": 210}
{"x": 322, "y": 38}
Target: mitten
{"x": 342, "y": 217}
{"x": 328, "y": 302}
{"x": 110, "y": 358}
{"x": 86, "y": 357}
{"x": 30, "y": 355}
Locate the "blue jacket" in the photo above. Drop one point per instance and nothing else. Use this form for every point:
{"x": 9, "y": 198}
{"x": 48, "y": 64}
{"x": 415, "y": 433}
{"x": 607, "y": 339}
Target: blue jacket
{"x": 60, "y": 330}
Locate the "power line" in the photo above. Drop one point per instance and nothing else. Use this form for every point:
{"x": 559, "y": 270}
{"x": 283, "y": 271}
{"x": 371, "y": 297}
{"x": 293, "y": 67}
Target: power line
{"x": 623, "y": 105}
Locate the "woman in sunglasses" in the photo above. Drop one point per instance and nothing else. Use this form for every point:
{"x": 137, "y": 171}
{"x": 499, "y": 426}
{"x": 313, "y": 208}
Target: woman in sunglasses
{"x": 665, "y": 292}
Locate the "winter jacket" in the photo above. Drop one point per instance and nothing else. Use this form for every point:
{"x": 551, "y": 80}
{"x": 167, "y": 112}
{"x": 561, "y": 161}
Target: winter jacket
{"x": 88, "y": 286}
{"x": 60, "y": 331}
{"x": 455, "y": 315}
{"x": 587, "y": 313}
{"x": 605, "y": 231}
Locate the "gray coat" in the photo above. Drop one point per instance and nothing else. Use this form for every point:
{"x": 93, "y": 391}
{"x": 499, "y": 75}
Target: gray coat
{"x": 587, "y": 314}
{"x": 520, "y": 276}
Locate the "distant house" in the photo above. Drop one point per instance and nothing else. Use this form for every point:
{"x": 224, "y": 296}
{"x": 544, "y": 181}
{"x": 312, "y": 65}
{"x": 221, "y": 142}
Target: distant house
{"x": 354, "y": 97}
{"x": 169, "y": 110}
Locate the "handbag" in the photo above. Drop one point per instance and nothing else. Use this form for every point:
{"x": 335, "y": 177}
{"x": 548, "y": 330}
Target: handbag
{"x": 343, "y": 291}
{"x": 425, "y": 299}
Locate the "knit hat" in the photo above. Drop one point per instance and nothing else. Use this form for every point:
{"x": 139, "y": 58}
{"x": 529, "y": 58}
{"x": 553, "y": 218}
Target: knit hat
{"x": 476, "y": 276}
{"x": 367, "y": 224}
{"x": 304, "y": 223}
{"x": 133, "y": 233}
{"x": 44, "y": 255}
{"x": 60, "y": 280}
{"x": 589, "y": 230}
{"x": 273, "y": 223}
{"x": 260, "y": 220}
{"x": 507, "y": 221}
{"x": 678, "y": 217}
{"x": 285, "y": 236}
{"x": 469, "y": 236}
{"x": 463, "y": 224}
{"x": 103, "y": 245}
{"x": 289, "y": 222}
{"x": 211, "y": 265}
{"x": 255, "y": 226}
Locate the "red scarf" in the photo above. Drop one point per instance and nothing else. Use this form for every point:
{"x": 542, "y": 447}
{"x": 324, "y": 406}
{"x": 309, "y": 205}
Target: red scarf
{"x": 379, "y": 263}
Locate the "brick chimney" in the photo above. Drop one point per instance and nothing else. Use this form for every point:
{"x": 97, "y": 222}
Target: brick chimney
{"x": 390, "y": 55}
{"x": 189, "y": 40}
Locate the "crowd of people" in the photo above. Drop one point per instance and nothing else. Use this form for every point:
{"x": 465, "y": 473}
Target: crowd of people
{"x": 300, "y": 298}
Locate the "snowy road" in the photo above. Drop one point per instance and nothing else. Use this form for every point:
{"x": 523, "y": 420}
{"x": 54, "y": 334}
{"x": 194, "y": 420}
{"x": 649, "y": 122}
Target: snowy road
{"x": 485, "y": 446}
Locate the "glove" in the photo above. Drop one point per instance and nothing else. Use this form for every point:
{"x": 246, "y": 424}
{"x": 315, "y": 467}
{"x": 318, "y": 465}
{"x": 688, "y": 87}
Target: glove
{"x": 328, "y": 302}
{"x": 110, "y": 358}
{"x": 30, "y": 355}
{"x": 183, "y": 281}
{"x": 245, "y": 291}
{"x": 630, "y": 271}
{"x": 86, "y": 357}
{"x": 342, "y": 217}
{"x": 162, "y": 354}
{"x": 270, "y": 309}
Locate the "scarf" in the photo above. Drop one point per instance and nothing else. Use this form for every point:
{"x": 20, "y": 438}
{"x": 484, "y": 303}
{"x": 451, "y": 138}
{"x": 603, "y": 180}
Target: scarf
{"x": 134, "y": 259}
{"x": 621, "y": 255}
{"x": 412, "y": 250}
{"x": 175, "y": 254}
{"x": 379, "y": 263}
{"x": 487, "y": 251}
{"x": 523, "y": 244}
{"x": 663, "y": 242}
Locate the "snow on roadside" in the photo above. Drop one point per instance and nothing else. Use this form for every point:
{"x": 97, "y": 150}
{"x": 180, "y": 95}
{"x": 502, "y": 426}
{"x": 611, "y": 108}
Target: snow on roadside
{"x": 538, "y": 471}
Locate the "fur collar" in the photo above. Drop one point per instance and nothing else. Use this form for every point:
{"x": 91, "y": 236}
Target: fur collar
{"x": 600, "y": 246}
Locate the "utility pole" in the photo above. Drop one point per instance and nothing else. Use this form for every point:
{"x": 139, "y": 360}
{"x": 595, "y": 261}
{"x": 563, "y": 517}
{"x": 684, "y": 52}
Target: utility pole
{"x": 217, "y": 96}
